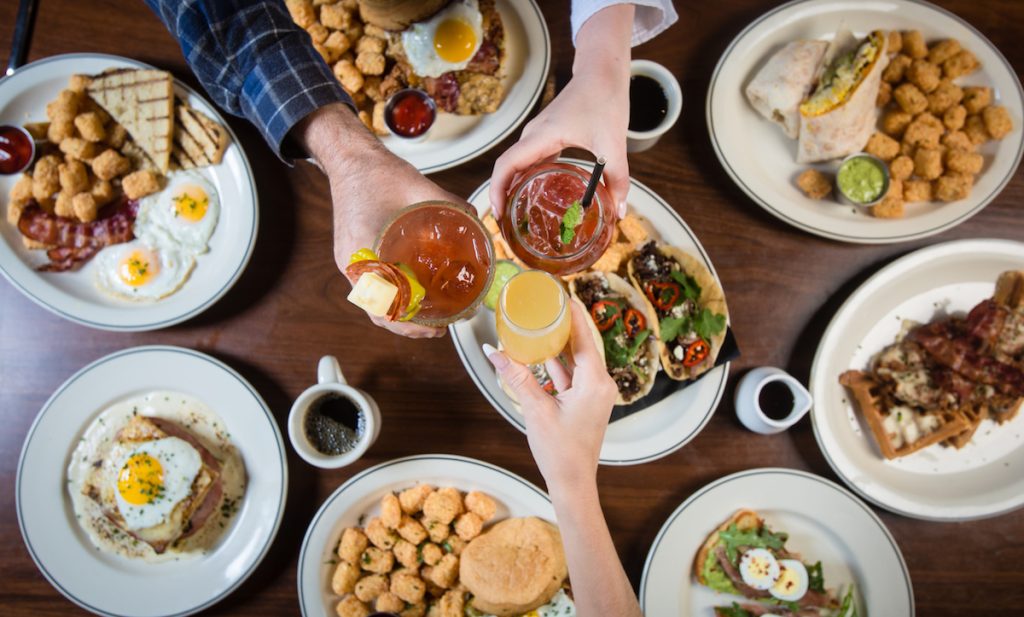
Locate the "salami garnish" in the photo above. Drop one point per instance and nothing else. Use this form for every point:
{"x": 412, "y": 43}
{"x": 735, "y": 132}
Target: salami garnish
{"x": 390, "y": 273}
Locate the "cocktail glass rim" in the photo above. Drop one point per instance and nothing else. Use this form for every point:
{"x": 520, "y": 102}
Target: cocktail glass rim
{"x": 475, "y": 221}
{"x": 563, "y": 298}
{"x": 546, "y": 169}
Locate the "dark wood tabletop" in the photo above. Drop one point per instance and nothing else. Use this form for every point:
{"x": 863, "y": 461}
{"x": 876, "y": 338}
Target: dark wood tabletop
{"x": 289, "y": 308}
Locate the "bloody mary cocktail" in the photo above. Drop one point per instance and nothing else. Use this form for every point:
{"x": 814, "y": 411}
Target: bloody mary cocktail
{"x": 537, "y": 229}
{"x": 448, "y": 250}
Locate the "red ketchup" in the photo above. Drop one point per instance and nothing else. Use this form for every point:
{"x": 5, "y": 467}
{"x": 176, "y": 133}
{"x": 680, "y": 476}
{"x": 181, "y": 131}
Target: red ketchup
{"x": 409, "y": 113}
{"x": 16, "y": 149}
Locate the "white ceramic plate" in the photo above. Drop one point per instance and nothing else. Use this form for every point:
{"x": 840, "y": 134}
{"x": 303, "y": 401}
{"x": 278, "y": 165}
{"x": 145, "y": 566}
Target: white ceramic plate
{"x": 112, "y": 585}
{"x": 72, "y": 295}
{"x": 762, "y": 161}
{"x": 647, "y": 435}
{"x": 456, "y": 139}
{"x": 360, "y": 496}
{"x": 986, "y": 477}
{"x": 825, "y": 522}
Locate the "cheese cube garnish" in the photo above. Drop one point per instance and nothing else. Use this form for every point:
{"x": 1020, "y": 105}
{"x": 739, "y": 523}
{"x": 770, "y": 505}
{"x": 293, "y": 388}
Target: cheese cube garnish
{"x": 373, "y": 294}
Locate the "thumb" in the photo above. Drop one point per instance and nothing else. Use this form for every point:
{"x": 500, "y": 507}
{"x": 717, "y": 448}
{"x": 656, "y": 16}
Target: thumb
{"x": 519, "y": 380}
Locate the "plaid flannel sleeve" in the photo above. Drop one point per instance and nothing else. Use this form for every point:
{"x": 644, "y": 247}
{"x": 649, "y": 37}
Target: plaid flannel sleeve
{"x": 253, "y": 60}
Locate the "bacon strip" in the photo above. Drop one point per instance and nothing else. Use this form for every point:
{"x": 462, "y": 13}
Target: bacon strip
{"x": 956, "y": 352}
{"x": 74, "y": 242}
{"x": 390, "y": 273}
{"x": 444, "y": 90}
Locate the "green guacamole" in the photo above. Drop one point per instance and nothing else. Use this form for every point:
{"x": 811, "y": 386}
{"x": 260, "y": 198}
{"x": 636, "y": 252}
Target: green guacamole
{"x": 715, "y": 577}
{"x": 861, "y": 179}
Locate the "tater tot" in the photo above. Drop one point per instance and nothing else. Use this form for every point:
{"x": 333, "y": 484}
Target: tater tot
{"x": 910, "y": 98}
{"x": 370, "y": 63}
{"x": 90, "y": 126}
{"x": 379, "y": 534}
{"x": 928, "y": 163}
{"x": 46, "y": 177}
{"x": 411, "y": 499}
{"x": 976, "y": 99}
{"x": 954, "y": 118}
{"x": 22, "y": 189}
{"x": 414, "y": 610}
{"x": 60, "y": 129}
{"x": 891, "y": 206}
{"x": 894, "y": 122}
{"x": 895, "y": 42}
{"x": 917, "y": 190}
{"x": 317, "y": 32}
{"x": 901, "y": 167}
{"x": 883, "y": 146}
{"x": 442, "y": 506}
{"x": 349, "y": 76}
{"x": 925, "y": 130}
{"x": 897, "y": 69}
{"x": 78, "y": 148}
{"x": 377, "y": 122}
{"x": 390, "y": 511}
{"x": 335, "y": 16}
{"x": 884, "y": 94}
{"x": 412, "y": 531}
{"x": 468, "y": 525}
{"x": 345, "y": 577}
{"x": 117, "y": 135}
{"x": 914, "y": 45}
{"x": 85, "y": 207}
{"x": 302, "y": 12}
{"x": 997, "y": 121}
{"x": 432, "y": 553}
{"x": 944, "y": 97}
{"x": 958, "y": 140}
{"x": 351, "y": 606}
{"x": 445, "y": 572}
{"x": 953, "y": 187}
{"x": 388, "y": 602}
{"x": 73, "y": 177}
{"x": 102, "y": 191}
{"x": 437, "y": 530}
{"x": 408, "y": 587}
{"x": 814, "y": 184}
{"x": 964, "y": 162}
{"x": 140, "y": 184}
{"x": 78, "y": 83}
{"x": 943, "y": 50}
{"x": 371, "y": 43}
{"x": 370, "y": 587}
{"x": 406, "y": 553}
{"x": 376, "y": 560}
{"x": 481, "y": 504}
{"x": 975, "y": 129}
{"x": 453, "y": 544}
{"x": 352, "y": 544}
{"x": 110, "y": 164}
{"x": 63, "y": 205}
{"x": 963, "y": 63}
{"x": 925, "y": 75}
{"x": 453, "y": 604}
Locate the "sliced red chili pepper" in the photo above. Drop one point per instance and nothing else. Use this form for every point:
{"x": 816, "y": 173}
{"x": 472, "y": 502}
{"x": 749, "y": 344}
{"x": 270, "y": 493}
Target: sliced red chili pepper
{"x": 695, "y": 353}
{"x": 634, "y": 321}
{"x": 605, "y": 314}
{"x": 663, "y": 294}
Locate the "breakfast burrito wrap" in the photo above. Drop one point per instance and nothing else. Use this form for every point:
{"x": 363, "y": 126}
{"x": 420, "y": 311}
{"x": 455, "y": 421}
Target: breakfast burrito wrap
{"x": 689, "y": 304}
{"x": 785, "y": 81}
{"x": 624, "y": 322}
{"x": 841, "y": 114}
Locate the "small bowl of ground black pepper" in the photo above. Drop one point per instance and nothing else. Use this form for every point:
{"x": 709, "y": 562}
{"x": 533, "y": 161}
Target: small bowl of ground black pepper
{"x": 332, "y": 424}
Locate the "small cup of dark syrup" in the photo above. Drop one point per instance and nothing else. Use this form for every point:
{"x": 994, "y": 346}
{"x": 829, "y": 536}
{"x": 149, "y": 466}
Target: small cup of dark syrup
{"x": 332, "y": 424}
{"x": 769, "y": 400}
{"x": 655, "y": 101}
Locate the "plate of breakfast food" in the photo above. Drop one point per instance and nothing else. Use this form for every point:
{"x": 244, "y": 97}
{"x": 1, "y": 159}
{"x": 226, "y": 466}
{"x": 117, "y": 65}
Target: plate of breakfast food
{"x": 658, "y": 309}
{"x": 918, "y": 383}
{"x": 435, "y": 534}
{"x": 869, "y": 122}
{"x": 151, "y": 483}
{"x": 440, "y": 82}
{"x": 139, "y": 210}
{"x": 775, "y": 542}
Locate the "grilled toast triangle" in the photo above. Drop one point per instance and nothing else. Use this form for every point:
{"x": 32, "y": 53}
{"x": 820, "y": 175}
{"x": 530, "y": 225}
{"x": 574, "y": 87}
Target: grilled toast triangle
{"x": 142, "y": 101}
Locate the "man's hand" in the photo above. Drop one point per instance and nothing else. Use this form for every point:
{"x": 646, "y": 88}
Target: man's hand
{"x": 368, "y": 185}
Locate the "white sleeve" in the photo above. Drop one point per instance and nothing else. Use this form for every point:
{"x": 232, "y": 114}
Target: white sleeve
{"x": 651, "y": 19}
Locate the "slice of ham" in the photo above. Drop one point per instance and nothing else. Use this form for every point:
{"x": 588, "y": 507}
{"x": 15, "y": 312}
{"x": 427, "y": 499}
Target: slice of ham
{"x": 735, "y": 576}
{"x": 444, "y": 90}
{"x": 810, "y": 600}
{"x": 73, "y": 243}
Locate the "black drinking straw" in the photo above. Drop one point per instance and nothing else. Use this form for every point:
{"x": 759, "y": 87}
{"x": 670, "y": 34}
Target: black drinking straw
{"x": 588, "y": 195}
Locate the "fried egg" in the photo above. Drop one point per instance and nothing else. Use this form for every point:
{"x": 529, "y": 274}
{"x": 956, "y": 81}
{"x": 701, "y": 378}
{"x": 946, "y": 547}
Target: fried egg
{"x": 153, "y": 477}
{"x": 137, "y": 270}
{"x": 793, "y": 581}
{"x": 759, "y": 568}
{"x": 445, "y": 42}
{"x": 184, "y": 214}
{"x": 560, "y": 605}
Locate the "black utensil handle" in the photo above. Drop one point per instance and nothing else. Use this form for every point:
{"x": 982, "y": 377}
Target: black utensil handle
{"x": 22, "y": 34}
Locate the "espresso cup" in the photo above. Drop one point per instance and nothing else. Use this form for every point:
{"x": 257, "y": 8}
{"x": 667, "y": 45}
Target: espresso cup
{"x": 638, "y": 141}
{"x": 330, "y": 382}
{"x": 748, "y": 400}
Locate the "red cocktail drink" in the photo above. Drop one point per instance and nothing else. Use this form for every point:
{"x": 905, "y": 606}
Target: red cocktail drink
{"x": 537, "y": 229}
{"x": 450, "y": 253}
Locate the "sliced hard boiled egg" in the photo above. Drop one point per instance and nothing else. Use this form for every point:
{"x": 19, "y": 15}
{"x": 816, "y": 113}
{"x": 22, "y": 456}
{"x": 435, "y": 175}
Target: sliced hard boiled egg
{"x": 759, "y": 568}
{"x": 792, "y": 582}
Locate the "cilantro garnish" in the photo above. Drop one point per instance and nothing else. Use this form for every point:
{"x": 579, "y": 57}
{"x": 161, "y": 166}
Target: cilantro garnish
{"x": 691, "y": 289}
{"x": 672, "y": 327}
{"x": 707, "y": 324}
{"x": 570, "y": 221}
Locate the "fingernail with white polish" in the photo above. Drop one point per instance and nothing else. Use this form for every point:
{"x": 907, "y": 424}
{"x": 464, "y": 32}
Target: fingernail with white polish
{"x": 622, "y": 209}
{"x": 498, "y": 360}
{"x": 488, "y": 349}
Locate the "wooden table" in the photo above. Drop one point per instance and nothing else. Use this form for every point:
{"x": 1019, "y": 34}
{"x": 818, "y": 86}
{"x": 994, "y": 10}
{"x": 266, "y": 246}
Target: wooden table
{"x": 288, "y": 309}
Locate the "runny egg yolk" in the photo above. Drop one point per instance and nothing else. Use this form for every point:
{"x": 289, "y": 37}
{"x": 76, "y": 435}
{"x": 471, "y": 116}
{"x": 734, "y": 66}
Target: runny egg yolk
{"x": 454, "y": 40}
{"x": 190, "y": 203}
{"x": 137, "y": 268}
{"x": 141, "y": 480}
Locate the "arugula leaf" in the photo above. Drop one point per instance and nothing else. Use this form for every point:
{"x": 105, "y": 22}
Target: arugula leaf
{"x": 735, "y": 611}
{"x": 815, "y": 578}
{"x": 707, "y": 324}
{"x": 671, "y": 327}
{"x": 733, "y": 538}
{"x": 849, "y": 606}
{"x": 691, "y": 289}
{"x": 570, "y": 221}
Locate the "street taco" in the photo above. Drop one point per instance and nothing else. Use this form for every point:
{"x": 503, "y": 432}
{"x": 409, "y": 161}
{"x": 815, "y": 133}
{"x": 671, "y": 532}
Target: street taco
{"x": 624, "y": 322}
{"x": 689, "y": 305}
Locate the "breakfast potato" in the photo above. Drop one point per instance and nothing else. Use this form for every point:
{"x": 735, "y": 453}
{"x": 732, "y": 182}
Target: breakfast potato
{"x": 894, "y": 43}
{"x": 406, "y": 553}
{"x": 379, "y": 535}
{"x": 976, "y": 98}
{"x": 997, "y": 121}
{"x": 962, "y": 63}
{"x": 90, "y": 126}
{"x": 953, "y": 186}
{"x": 73, "y": 177}
{"x": 431, "y": 553}
{"x": 140, "y": 183}
{"x": 388, "y": 602}
{"x": 883, "y": 146}
{"x": 891, "y": 206}
{"x": 901, "y": 168}
{"x": 445, "y": 572}
{"x": 958, "y": 140}
{"x": 409, "y": 587}
{"x": 412, "y": 531}
{"x": 975, "y": 129}
{"x": 452, "y": 604}
{"x": 917, "y": 190}
{"x": 897, "y": 69}
{"x": 914, "y": 45}
{"x": 345, "y": 577}
{"x": 376, "y": 560}
{"x": 945, "y": 96}
{"x": 964, "y": 162}
{"x": 369, "y": 588}
{"x": 928, "y": 163}
{"x": 442, "y": 506}
{"x": 925, "y": 75}
{"x": 102, "y": 191}
{"x": 78, "y": 148}
{"x": 924, "y": 131}
{"x": 468, "y": 525}
{"x": 335, "y": 16}
{"x": 910, "y": 98}
{"x": 895, "y": 122}
{"x": 412, "y": 499}
{"x": 352, "y": 544}
{"x": 884, "y": 94}
{"x": 351, "y": 606}
{"x": 481, "y": 504}
{"x": 954, "y": 118}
